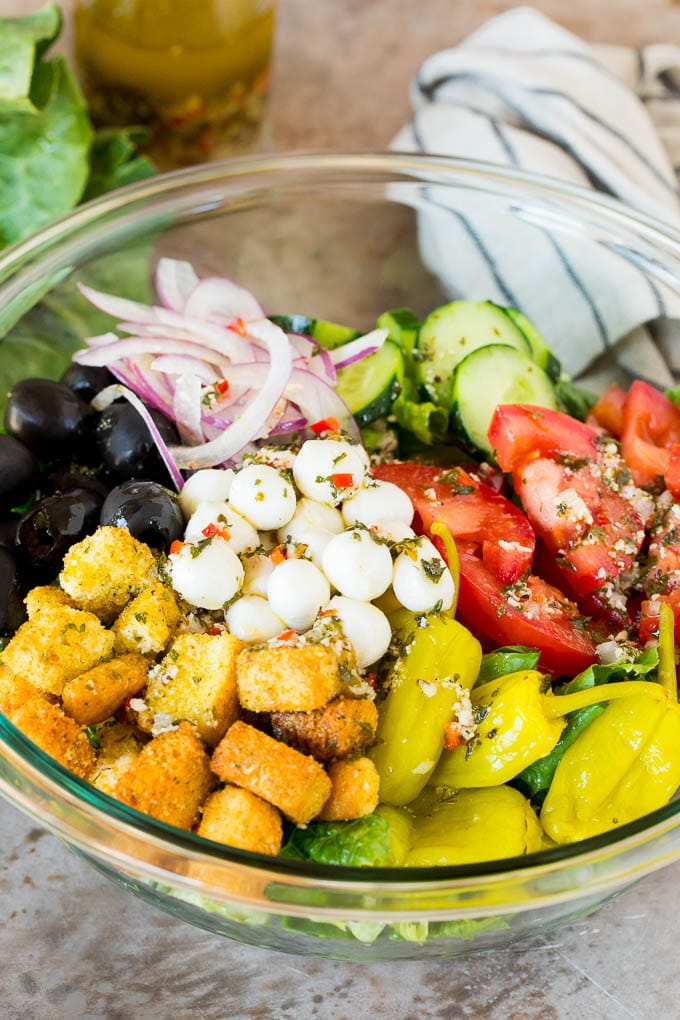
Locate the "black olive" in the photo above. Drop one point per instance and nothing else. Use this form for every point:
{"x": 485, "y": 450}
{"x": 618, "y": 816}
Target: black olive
{"x": 86, "y": 380}
{"x": 148, "y": 510}
{"x": 125, "y": 444}
{"x": 51, "y": 527}
{"x": 12, "y": 611}
{"x": 19, "y": 472}
{"x": 75, "y": 476}
{"x": 48, "y": 417}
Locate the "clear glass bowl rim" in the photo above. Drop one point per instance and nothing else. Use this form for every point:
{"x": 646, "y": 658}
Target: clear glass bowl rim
{"x": 253, "y": 174}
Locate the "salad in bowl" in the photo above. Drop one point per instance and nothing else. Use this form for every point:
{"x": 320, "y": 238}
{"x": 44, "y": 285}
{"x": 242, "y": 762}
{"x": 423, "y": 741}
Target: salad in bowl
{"x": 315, "y": 629}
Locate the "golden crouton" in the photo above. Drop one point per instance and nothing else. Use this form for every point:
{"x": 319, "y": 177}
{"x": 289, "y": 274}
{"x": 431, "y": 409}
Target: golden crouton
{"x": 343, "y": 728}
{"x": 291, "y": 781}
{"x": 354, "y": 793}
{"x": 147, "y": 623}
{"x": 50, "y": 728}
{"x": 107, "y": 569}
{"x": 239, "y": 818}
{"x": 47, "y": 596}
{"x": 57, "y": 646}
{"x": 169, "y": 779}
{"x": 196, "y": 681}
{"x": 287, "y": 678}
{"x": 119, "y": 745}
{"x": 95, "y": 695}
{"x": 14, "y": 691}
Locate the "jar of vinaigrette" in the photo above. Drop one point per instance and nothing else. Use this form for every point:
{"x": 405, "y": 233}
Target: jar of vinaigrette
{"x": 195, "y": 73}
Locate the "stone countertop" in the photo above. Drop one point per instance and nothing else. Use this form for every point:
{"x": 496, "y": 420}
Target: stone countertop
{"x": 74, "y": 946}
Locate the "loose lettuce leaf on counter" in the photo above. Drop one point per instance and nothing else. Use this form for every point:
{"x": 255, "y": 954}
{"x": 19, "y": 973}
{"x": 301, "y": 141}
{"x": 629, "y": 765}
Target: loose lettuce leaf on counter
{"x": 23, "y": 41}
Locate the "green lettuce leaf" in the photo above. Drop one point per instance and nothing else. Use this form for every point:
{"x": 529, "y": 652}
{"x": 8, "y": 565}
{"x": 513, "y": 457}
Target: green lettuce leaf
{"x": 364, "y": 842}
{"x": 502, "y": 661}
{"x": 23, "y": 41}
{"x": 114, "y": 161}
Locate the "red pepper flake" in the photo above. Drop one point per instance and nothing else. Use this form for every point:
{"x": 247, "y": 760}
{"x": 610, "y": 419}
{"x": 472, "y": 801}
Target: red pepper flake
{"x": 176, "y": 547}
{"x": 287, "y": 635}
{"x": 216, "y": 631}
{"x": 327, "y": 612}
{"x": 214, "y": 531}
{"x": 325, "y": 425}
{"x": 371, "y": 679}
{"x": 342, "y": 479}
{"x": 452, "y": 737}
{"x": 278, "y": 555}
{"x": 237, "y": 325}
{"x": 222, "y": 387}
{"x": 122, "y": 714}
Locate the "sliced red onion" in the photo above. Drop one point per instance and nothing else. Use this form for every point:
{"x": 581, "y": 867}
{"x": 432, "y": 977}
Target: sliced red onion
{"x": 359, "y": 348}
{"x": 250, "y": 423}
{"x": 187, "y": 408}
{"x": 132, "y": 347}
{"x": 175, "y": 281}
{"x": 216, "y": 299}
{"x": 181, "y": 365}
{"x": 113, "y": 392}
{"x": 119, "y": 308}
{"x": 316, "y": 399}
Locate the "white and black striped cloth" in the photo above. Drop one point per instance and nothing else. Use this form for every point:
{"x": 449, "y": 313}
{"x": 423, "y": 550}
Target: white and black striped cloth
{"x": 523, "y": 92}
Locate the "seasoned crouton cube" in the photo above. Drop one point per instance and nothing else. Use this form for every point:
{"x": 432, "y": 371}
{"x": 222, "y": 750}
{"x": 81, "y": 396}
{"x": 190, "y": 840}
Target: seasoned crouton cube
{"x": 239, "y": 818}
{"x": 169, "y": 779}
{"x": 147, "y": 623}
{"x": 119, "y": 745}
{"x": 288, "y": 678}
{"x": 46, "y": 596}
{"x": 57, "y": 646}
{"x": 294, "y": 783}
{"x": 14, "y": 691}
{"x": 57, "y": 734}
{"x": 354, "y": 793}
{"x": 95, "y": 695}
{"x": 343, "y": 728}
{"x": 196, "y": 681}
{"x": 107, "y": 569}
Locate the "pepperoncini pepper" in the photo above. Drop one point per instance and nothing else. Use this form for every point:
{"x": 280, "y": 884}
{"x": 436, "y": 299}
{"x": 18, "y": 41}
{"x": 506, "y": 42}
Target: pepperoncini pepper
{"x": 520, "y": 720}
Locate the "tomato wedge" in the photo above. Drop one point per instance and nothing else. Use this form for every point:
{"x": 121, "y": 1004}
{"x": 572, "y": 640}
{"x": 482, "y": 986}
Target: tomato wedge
{"x": 649, "y": 616}
{"x": 651, "y": 426}
{"x": 608, "y": 411}
{"x": 472, "y": 511}
{"x": 533, "y": 613}
{"x": 517, "y": 430}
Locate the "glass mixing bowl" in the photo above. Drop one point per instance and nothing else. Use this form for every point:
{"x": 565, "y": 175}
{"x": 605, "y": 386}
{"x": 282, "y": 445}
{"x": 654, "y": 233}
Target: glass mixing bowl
{"x": 341, "y": 237}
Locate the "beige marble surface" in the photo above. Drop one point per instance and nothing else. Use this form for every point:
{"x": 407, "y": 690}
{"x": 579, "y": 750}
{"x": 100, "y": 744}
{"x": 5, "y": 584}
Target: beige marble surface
{"x": 72, "y": 946}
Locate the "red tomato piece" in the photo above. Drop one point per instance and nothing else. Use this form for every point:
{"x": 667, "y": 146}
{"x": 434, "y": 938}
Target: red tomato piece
{"x": 649, "y": 616}
{"x": 517, "y": 430}
{"x": 532, "y": 613}
{"x": 672, "y": 475}
{"x": 608, "y": 411}
{"x": 651, "y": 426}
{"x": 472, "y": 512}
{"x": 663, "y": 569}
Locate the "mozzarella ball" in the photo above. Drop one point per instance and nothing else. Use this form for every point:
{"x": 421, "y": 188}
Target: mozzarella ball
{"x": 206, "y": 577}
{"x": 242, "y": 535}
{"x": 211, "y": 485}
{"x": 258, "y": 570}
{"x": 394, "y": 531}
{"x": 366, "y": 628}
{"x": 251, "y": 618}
{"x": 314, "y": 525}
{"x": 422, "y": 579}
{"x": 297, "y": 590}
{"x": 357, "y": 565}
{"x": 319, "y": 461}
{"x": 263, "y": 495}
{"x": 377, "y": 501}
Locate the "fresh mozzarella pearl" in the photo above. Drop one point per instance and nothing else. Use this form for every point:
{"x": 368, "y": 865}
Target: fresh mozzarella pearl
{"x": 366, "y": 628}
{"x": 207, "y": 577}
{"x": 263, "y": 495}
{"x": 394, "y": 531}
{"x": 357, "y": 565}
{"x": 211, "y": 485}
{"x": 377, "y": 501}
{"x": 250, "y": 618}
{"x": 297, "y": 590}
{"x": 242, "y": 535}
{"x": 413, "y": 587}
{"x": 258, "y": 570}
{"x": 320, "y": 459}
{"x": 313, "y": 524}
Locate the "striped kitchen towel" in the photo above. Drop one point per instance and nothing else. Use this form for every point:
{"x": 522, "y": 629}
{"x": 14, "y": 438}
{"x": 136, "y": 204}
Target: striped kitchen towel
{"x": 523, "y": 92}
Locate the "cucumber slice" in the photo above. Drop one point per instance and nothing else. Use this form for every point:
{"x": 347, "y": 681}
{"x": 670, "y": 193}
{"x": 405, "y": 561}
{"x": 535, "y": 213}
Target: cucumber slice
{"x": 402, "y": 326}
{"x": 540, "y": 351}
{"x": 328, "y": 334}
{"x": 370, "y": 386}
{"x": 492, "y": 375}
{"x": 451, "y": 332}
